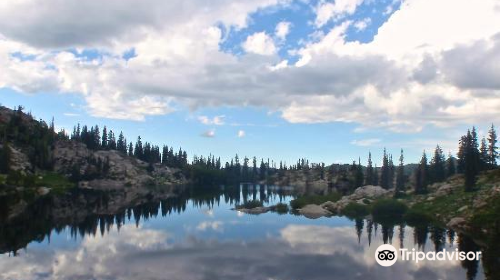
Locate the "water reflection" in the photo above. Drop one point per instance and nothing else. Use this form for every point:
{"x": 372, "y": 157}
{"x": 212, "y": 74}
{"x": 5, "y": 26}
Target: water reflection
{"x": 197, "y": 236}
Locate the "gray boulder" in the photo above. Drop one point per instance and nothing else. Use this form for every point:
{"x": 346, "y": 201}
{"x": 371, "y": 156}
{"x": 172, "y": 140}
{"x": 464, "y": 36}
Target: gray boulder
{"x": 313, "y": 211}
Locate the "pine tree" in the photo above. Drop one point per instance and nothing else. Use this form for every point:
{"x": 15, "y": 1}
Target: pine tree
{"x": 492, "y": 146}
{"x": 391, "y": 172}
{"x": 104, "y": 142}
{"x": 359, "y": 174}
{"x": 384, "y": 172}
{"x": 138, "y": 150}
{"x": 450, "y": 166}
{"x": 245, "y": 169}
{"x": 483, "y": 155}
{"x": 52, "y": 126}
{"x": 254, "y": 169}
{"x": 369, "y": 171}
{"x": 96, "y": 138}
{"x": 121, "y": 144}
{"x": 164, "y": 155}
{"x": 400, "y": 176}
{"x": 461, "y": 154}
{"x": 262, "y": 171}
{"x": 421, "y": 176}
{"x": 111, "y": 140}
{"x": 375, "y": 176}
{"x": 437, "y": 167}
{"x": 78, "y": 131}
{"x": 471, "y": 160}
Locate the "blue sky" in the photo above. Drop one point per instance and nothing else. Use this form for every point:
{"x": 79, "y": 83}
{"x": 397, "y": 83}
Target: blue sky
{"x": 340, "y": 79}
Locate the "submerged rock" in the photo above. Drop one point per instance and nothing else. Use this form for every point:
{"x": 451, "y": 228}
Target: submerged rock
{"x": 313, "y": 211}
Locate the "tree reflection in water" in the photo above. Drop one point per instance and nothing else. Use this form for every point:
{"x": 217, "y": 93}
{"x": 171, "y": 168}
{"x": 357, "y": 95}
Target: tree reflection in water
{"x": 46, "y": 217}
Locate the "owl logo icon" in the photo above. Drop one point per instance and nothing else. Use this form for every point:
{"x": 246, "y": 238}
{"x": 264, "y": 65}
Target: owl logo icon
{"x": 386, "y": 255}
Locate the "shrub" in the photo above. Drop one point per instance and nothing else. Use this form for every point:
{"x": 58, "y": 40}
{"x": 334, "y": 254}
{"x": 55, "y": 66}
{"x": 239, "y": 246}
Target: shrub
{"x": 249, "y": 204}
{"x": 355, "y": 210}
{"x": 281, "y": 208}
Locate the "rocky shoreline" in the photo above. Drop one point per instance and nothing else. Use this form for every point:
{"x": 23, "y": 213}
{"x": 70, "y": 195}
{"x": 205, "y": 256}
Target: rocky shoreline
{"x": 445, "y": 203}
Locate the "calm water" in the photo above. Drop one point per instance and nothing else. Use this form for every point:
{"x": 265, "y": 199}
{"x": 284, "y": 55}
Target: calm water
{"x": 200, "y": 237}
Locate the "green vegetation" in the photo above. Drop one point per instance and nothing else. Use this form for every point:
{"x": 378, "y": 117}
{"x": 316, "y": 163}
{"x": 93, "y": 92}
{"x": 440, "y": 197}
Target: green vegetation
{"x": 355, "y": 210}
{"x": 250, "y": 204}
{"x": 447, "y": 204}
{"x": 281, "y": 208}
{"x": 488, "y": 217}
{"x": 54, "y": 181}
{"x": 302, "y": 201}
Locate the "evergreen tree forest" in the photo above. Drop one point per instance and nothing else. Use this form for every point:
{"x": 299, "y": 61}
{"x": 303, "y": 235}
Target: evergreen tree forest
{"x": 38, "y": 137}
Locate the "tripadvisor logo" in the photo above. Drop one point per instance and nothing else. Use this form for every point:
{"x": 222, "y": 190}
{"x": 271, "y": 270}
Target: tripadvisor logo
{"x": 387, "y": 255}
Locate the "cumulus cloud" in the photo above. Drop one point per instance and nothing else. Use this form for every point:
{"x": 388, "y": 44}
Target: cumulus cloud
{"x": 362, "y": 24}
{"x": 259, "y": 43}
{"x": 297, "y": 251}
{"x": 414, "y": 73}
{"x": 212, "y": 225}
{"x": 474, "y": 66}
{"x": 96, "y": 23}
{"x": 241, "y": 133}
{"x": 282, "y": 29}
{"x": 217, "y": 120}
{"x": 326, "y": 11}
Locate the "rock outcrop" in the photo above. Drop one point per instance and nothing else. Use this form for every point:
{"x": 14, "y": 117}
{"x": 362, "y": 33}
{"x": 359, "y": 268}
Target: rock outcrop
{"x": 362, "y": 195}
{"x": 313, "y": 211}
{"x": 124, "y": 171}
{"x": 457, "y": 223}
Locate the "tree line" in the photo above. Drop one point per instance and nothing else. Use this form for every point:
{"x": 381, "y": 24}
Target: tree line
{"x": 473, "y": 157}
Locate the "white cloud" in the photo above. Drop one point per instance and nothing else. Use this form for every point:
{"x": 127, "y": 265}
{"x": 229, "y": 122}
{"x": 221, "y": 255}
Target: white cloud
{"x": 362, "y": 24}
{"x": 326, "y": 11}
{"x": 407, "y": 78}
{"x": 217, "y": 120}
{"x": 281, "y": 65}
{"x": 71, "y": 114}
{"x": 213, "y": 225}
{"x": 282, "y": 30}
{"x": 366, "y": 142}
{"x": 241, "y": 133}
{"x": 209, "y": 133}
{"x": 259, "y": 43}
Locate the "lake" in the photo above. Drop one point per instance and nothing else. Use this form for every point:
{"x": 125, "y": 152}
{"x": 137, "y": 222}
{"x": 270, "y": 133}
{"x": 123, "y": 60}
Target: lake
{"x": 198, "y": 236}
